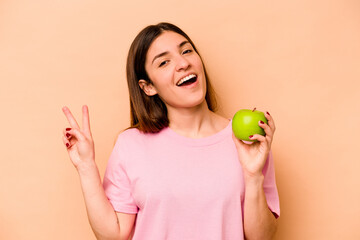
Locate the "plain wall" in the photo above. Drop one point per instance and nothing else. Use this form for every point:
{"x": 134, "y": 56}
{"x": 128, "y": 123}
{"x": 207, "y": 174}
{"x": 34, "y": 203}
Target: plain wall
{"x": 299, "y": 60}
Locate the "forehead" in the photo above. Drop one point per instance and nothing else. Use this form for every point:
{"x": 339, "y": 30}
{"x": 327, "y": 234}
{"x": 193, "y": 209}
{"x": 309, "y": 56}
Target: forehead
{"x": 167, "y": 41}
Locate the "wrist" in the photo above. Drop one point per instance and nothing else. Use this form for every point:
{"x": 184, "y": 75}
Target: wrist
{"x": 87, "y": 168}
{"x": 254, "y": 179}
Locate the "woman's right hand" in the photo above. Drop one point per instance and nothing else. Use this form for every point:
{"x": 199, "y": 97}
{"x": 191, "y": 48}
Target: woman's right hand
{"x": 79, "y": 142}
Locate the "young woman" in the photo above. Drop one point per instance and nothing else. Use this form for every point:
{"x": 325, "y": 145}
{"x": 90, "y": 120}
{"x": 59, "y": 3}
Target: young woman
{"x": 178, "y": 172}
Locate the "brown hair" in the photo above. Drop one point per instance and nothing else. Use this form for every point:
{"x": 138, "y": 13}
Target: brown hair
{"x": 149, "y": 113}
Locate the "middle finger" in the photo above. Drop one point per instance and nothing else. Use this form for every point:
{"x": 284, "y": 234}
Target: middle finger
{"x": 267, "y": 129}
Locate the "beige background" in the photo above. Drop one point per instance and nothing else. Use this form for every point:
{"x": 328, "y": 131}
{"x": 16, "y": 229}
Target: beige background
{"x": 299, "y": 60}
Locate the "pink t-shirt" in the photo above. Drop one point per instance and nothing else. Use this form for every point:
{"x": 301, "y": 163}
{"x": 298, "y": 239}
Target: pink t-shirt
{"x": 181, "y": 188}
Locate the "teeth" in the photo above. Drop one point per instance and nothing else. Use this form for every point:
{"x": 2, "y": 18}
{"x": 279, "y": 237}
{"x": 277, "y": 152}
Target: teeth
{"x": 185, "y": 79}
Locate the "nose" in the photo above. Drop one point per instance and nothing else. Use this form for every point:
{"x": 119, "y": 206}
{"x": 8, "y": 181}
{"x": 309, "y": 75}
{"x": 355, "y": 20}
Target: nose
{"x": 182, "y": 63}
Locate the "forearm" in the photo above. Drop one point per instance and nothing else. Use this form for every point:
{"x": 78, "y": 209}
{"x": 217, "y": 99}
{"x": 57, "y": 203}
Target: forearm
{"x": 259, "y": 222}
{"x": 102, "y": 217}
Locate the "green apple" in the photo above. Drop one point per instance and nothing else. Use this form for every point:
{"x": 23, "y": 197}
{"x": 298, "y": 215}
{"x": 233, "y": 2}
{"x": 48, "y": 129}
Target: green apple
{"x": 246, "y": 122}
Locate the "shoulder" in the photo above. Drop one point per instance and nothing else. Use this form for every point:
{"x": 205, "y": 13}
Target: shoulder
{"x": 132, "y": 136}
{"x": 130, "y": 132}
{"x": 126, "y": 143}
{"x": 133, "y": 143}
{"x": 128, "y": 135}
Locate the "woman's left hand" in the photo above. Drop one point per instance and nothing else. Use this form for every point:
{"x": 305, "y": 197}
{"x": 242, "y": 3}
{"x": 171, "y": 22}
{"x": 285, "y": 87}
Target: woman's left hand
{"x": 253, "y": 156}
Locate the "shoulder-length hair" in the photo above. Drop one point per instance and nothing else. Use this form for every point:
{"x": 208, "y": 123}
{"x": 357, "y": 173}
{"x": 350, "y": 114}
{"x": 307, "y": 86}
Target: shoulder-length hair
{"x": 149, "y": 113}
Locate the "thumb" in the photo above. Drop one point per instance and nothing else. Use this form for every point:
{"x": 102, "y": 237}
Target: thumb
{"x": 239, "y": 142}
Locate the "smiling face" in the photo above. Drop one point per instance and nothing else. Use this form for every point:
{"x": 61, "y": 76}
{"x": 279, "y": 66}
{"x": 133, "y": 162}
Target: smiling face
{"x": 176, "y": 72}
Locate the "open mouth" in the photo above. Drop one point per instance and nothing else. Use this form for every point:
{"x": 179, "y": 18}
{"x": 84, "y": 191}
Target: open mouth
{"x": 188, "y": 80}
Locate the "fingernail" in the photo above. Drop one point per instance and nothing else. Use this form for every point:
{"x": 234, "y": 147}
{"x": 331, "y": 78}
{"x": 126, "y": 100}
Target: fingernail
{"x": 67, "y": 144}
{"x": 261, "y": 122}
{"x": 268, "y": 113}
{"x": 68, "y": 129}
{"x": 68, "y": 135}
{"x": 251, "y": 136}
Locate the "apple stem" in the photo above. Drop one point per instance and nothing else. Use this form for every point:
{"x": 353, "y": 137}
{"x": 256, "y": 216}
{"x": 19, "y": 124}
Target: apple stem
{"x": 253, "y": 109}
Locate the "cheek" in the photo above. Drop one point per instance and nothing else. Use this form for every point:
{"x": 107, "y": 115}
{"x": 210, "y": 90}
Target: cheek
{"x": 199, "y": 64}
{"x": 163, "y": 85}
{"x": 162, "y": 82}
{"x": 162, "y": 77}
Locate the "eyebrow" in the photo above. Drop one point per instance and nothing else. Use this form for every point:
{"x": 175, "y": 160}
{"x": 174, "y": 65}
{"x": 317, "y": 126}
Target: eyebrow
{"x": 165, "y": 53}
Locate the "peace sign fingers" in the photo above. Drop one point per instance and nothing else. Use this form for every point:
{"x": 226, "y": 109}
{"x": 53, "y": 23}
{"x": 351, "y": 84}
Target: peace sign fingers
{"x": 85, "y": 119}
{"x": 79, "y": 142}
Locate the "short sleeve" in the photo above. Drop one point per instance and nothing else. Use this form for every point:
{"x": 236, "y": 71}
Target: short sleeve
{"x": 270, "y": 189}
{"x": 116, "y": 182}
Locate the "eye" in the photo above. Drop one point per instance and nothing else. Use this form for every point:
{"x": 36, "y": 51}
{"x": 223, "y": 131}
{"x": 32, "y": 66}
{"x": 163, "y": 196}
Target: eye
{"x": 163, "y": 63}
{"x": 187, "y": 51}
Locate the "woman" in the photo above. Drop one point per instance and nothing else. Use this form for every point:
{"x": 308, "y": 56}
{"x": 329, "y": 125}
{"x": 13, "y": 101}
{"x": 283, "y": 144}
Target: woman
{"x": 178, "y": 172}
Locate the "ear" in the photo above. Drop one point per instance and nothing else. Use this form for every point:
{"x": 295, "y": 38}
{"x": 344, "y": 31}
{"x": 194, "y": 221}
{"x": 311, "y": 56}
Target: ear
{"x": 147, "y": 87}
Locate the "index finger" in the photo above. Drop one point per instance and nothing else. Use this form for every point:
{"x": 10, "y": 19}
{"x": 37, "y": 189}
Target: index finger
{"x": 70, "y": 118}
{"x": 270, "y": 121}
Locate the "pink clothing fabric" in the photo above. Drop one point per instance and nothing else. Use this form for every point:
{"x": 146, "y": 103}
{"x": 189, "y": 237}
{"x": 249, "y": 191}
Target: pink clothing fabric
{"x": 181, "y": 188}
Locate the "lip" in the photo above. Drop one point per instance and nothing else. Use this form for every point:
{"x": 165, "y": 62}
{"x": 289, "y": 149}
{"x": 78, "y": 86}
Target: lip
{"x": 186, "y": 76}
{"x": 192, "y": 85}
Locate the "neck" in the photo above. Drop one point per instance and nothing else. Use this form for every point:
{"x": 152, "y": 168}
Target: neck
{"x": 196, "y": 122}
